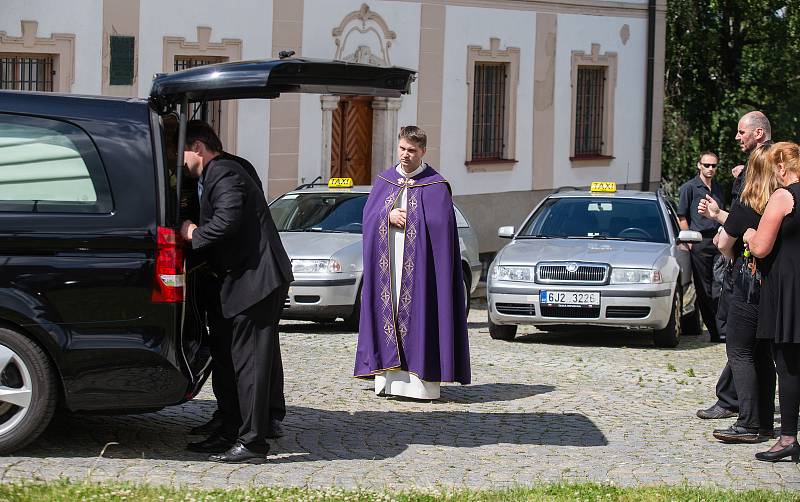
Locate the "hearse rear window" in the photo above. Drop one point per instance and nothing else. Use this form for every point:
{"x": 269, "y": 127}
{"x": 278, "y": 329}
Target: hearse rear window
{"x": 48, "y": 166}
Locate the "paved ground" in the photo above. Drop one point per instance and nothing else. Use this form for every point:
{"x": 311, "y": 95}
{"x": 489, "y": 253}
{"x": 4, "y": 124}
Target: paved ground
{"x": 543, "y": 408}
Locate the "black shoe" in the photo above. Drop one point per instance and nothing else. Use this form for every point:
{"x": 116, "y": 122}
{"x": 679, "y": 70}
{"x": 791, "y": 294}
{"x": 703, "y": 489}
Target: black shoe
{"x": 275, "y": 429}
{"x": 793, "y": 450}
{"x": 736, "y": 434}
{"x": 716, "y": 412}
{"x": 767, "y": 433}
{"x": 212, "y": 444}
{"x": 207, "y": 428}
{"x": 239, "y": 454}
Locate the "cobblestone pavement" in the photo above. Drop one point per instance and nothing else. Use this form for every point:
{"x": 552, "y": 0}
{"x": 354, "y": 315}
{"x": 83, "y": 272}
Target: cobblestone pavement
{"x": 547, "y": 407}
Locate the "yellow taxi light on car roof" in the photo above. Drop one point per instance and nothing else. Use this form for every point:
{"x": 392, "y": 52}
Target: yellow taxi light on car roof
{"x": 603, "y": 186}
{"x": 340, "y": 183}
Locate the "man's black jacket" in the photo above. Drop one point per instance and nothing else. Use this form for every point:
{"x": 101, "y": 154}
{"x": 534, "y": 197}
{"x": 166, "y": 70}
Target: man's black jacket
{"x": 237, "y": 233}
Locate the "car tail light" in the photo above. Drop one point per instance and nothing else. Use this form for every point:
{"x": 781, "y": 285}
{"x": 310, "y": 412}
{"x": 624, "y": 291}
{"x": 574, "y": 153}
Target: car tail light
{"x": 170, "y": 274}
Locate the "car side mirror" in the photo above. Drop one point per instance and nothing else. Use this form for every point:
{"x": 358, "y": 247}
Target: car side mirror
{"x": 689, "y": 236}
{"x": 505, "y": 232}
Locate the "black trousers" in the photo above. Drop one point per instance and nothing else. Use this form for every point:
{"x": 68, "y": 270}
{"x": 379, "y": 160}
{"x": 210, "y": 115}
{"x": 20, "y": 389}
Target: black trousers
{"x": 787, "y": 364}
{"x": 223, "y": 382}
{"x": 209, "y": 311}
{"x": 703, "y": 254}
{"x": 255, "y": 352}
{"x": 726, "y": 389}
{"x": 750, "y": 360}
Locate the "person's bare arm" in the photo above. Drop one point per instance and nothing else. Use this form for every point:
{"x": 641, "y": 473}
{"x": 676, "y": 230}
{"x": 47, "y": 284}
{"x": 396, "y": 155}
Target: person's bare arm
{"x": 709, "y": 208}
{"x": 683, "y": 223}
{"x": 761, "y": 241}
{"x": 725, "y": 244}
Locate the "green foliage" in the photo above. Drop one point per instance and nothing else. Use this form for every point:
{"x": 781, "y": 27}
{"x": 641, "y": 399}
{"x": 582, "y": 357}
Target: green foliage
{"x": 725, "y": 58}
{"x": 68, "y": 491}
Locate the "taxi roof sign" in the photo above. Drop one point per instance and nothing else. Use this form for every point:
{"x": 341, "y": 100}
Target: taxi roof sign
{"x": 340, "y": 183}
{"x": 603, "y": 186}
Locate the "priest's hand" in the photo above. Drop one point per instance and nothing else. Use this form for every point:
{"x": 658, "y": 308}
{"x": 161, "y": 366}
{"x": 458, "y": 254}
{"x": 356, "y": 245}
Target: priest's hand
{"x": 397, "y": 217}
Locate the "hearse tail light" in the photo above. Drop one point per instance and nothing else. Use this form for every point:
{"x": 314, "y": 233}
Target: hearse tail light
{"x": 170, "y": 274}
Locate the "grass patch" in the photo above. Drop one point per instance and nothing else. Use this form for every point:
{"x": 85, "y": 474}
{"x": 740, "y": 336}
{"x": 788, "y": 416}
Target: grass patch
{"x": 57, "y": 491}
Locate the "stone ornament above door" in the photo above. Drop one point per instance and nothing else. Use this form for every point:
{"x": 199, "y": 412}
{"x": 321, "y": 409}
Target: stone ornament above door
{"x": 364, "y": 37}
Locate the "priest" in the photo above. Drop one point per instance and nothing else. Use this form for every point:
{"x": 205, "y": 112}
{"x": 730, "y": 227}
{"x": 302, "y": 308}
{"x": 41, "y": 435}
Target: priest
{"x": 413, "y": 326}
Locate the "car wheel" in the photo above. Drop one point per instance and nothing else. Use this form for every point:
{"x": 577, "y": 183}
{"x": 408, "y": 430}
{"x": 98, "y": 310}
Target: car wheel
{"x": 671, "y": 334}
{"x": 502, "y": 331}
{"x": 28, "y": 391}
{"x": 691, "y": 324}
{"x": 466, "y": 294}
{"x": 351, "y": 321}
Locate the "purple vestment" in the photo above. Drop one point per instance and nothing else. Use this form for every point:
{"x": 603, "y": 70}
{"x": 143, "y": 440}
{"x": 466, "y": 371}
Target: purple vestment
{"x": 428, "y": 334}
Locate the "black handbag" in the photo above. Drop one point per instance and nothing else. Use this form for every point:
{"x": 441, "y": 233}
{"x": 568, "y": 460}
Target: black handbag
{"x": 748, "y": 279}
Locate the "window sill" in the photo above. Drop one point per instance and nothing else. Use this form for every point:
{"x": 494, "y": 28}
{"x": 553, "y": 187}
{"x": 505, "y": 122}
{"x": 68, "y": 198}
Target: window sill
{"x": 492, "y": 165}
{"x": 591, "y": 160}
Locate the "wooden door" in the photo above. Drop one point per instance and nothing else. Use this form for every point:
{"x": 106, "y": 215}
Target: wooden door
{"x": 351, "y": 145}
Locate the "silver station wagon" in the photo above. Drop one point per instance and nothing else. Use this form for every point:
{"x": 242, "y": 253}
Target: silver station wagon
{"x": 602, "y": 257}
{"x": 320, "y": 227}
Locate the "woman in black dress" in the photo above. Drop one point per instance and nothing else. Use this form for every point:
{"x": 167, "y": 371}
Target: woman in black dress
{"x": 778, "y": 236}
{"x": 749, "y": 358}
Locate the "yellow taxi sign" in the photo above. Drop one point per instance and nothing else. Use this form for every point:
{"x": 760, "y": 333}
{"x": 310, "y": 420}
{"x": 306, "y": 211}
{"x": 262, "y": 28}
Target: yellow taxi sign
{"x": 603, "y": 186}
{"x": 340, "y": 183}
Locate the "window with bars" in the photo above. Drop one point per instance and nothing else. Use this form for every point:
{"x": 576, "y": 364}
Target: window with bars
{"x": 589, "y": 108}
{"x": 208, "y": 111}
{"x": 489, "y": 111}
{"x": 27, "y": 72}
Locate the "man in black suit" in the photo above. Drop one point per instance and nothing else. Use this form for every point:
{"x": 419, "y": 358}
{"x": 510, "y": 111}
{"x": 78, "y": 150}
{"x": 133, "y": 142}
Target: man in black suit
{"x": 225, "y": 421}
{"x": 245, "y": 251}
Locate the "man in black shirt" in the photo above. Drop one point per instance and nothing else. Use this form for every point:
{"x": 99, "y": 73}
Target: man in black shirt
{"x": 752, "y": 130}
{"x": 703, "y": 253}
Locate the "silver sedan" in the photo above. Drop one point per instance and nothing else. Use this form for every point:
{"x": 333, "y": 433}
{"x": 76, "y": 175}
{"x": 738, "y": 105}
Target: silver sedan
{"x": 614, "y": 259}
{"x": 321, "y": 230}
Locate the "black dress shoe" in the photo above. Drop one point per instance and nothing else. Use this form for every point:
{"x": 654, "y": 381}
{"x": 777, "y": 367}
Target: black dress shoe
{"x": 207, "y": 428}
{"x": 716, "y": 412}
{"x": 240, "y": 454}
{"x": 736, "y": 434}
{"x": 793, "y": 451}
{"x": 275, "y": 429}
{"x": 212, "y": 444}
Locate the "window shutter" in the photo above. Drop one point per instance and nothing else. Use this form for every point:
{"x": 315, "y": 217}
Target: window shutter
{"x": 121, "y": 68}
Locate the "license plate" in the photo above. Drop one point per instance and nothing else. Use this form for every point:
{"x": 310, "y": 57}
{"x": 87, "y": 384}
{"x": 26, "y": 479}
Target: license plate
{"x": 570, "y": 298}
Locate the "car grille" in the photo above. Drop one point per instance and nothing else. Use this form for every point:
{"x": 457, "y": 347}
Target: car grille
{"x": 516, "y": 309}
{"x": 584, "y": 273}
{"x": 627, "y": 312}
{"x": 571, "y": 312}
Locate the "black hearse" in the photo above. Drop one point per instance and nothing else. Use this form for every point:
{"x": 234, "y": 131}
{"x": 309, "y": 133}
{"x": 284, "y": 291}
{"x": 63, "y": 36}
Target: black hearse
{"x": 95, "y": 302}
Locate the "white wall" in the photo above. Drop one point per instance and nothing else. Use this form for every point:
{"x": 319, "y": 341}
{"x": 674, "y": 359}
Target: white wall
{"x": 475, "y": 26}
{"x": 83, "y": 18}
{"x": 577, "y": 33}
{"x": 248, "y": 20}
{"x": 320, "y": 17}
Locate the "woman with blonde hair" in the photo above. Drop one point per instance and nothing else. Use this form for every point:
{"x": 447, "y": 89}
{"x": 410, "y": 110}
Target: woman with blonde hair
{"x": 778, "y": 240}
{"x": 749, "y": 358}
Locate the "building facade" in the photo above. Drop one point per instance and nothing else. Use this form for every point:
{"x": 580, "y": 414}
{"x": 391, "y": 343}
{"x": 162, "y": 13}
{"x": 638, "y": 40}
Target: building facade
{"x": 517, "y": 96}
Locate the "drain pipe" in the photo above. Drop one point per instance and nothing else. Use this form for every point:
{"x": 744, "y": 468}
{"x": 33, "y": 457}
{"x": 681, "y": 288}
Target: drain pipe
{"x": 648, "y": 121}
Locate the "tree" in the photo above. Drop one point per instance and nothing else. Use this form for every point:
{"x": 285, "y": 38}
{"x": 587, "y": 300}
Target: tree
{"x": 725, "y": 58}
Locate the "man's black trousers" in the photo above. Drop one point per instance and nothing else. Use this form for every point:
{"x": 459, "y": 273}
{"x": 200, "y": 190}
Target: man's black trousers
{"x": 703, "y": 254}
{"x": 255, "y": 352}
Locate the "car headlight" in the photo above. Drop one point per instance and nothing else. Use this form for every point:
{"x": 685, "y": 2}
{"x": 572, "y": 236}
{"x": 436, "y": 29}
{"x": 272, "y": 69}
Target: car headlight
{"x": 635, "y": 276}
{"x": 316, "y": 266}
{"x": 519, "y": 274}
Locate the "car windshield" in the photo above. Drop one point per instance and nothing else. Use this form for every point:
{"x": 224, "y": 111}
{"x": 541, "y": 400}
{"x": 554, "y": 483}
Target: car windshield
{"x": 597, "y": 218}
{"x": 319, "y": 212}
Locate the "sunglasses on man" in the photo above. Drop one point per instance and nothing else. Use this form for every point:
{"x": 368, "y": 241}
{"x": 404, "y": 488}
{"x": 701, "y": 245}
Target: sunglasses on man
{"x": 708, "y": 165}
